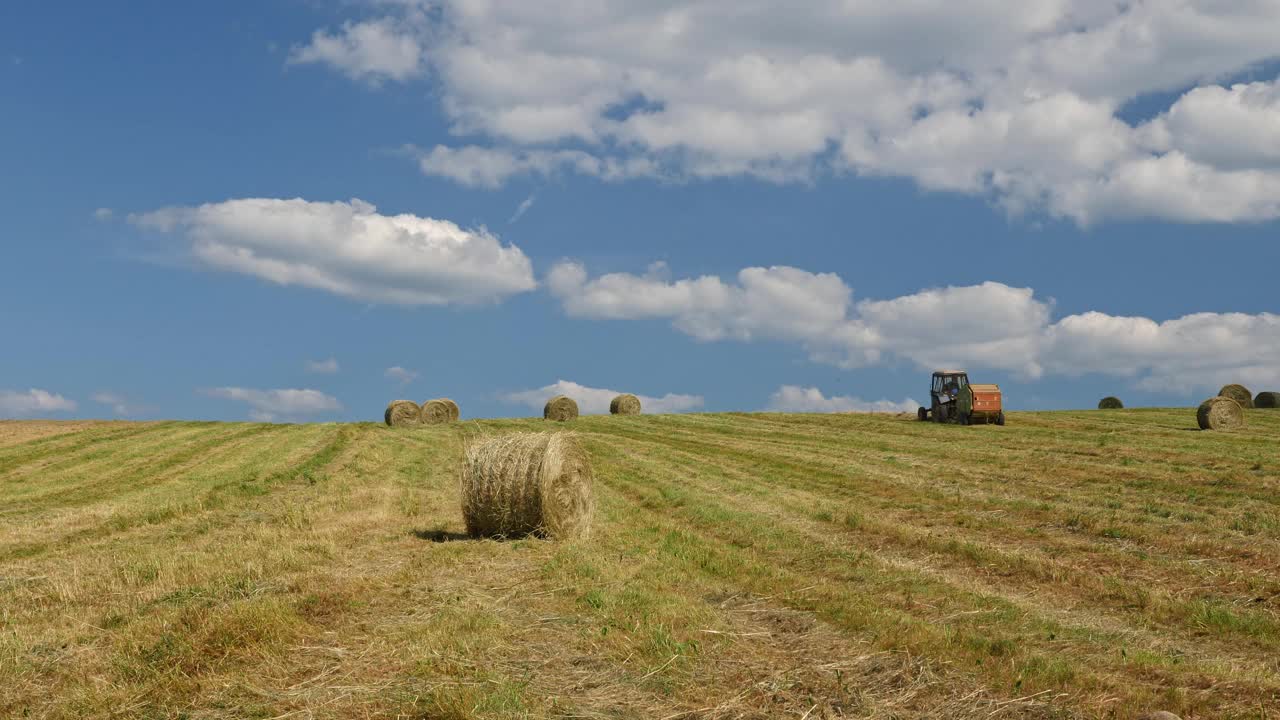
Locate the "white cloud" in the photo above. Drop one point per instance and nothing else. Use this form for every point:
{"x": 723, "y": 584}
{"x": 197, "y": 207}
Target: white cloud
{"x": 1198, "y": 351}
{"x": 793, "y": 398}
{"x": 349, "y": 249}
{"x": 490, "y": 168}
{"x": 119, "y": 404}
{"x": 400, "y": 375}
{"x": 1236, "y": 128}
{"x": 103, "y": 214}
{"x": 522, "y": 209}
{"x": 990, "y": 326}
{"x": 33, "y": 402}
{"x": 322, "y": 367}
{"x": 776, "y": 302}
{"x": 270, "y": 405}
{"x": 373, "y": 51}
{"x": 1014, "y": 101}
{"x": 595, "y": 401}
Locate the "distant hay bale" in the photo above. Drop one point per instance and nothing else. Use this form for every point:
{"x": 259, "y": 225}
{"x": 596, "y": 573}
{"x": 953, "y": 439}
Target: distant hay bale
{"x": 560, "y": 409}
{"x": 437, "y": 412}
{"x": 1220, "y": 413}
{"x": 1110, "y": 402}
{"x": 454, "y": 411}
{"x": 1239, "y": 393}
{"x": 402, "y": 413}
{"x": 625, "y": 404}
{"x": 528, "y": 483}
{"x": 1269, "y": 400}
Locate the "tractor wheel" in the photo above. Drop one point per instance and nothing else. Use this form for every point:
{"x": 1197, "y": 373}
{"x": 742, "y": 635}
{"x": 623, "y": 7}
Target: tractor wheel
{"x": 922, "y": 414}
{"x": 1000, "y": 418}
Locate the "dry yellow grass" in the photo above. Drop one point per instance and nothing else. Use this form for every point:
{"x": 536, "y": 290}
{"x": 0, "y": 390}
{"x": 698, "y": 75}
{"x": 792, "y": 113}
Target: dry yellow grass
{"x": 1068, "y": 565}
{"x": 19, "y": 431}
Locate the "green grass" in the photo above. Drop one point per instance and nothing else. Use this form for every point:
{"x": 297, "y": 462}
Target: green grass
{"x": 1071, "y": 564}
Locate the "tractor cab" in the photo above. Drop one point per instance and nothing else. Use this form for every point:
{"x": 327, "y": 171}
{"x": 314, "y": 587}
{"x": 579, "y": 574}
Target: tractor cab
{"x": 953, "y": 399}
{"x": 947, "y": 385}
{"x": 945, "y": 391}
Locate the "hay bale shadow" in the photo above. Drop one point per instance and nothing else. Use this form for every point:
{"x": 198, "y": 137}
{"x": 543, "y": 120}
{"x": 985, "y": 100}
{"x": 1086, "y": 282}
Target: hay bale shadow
{"x": 440, "y": 536}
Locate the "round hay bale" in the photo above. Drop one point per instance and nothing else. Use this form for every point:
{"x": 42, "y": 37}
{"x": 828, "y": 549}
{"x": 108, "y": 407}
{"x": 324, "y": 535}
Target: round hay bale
{"x": 454, "y": 411}
{"x": 1239, "y": 393}
{"x": 437, "y": 412}
{"x": 560, "y": 409}
{"x": 528, "y": 483}
{"x": 1110, "y": 402}
{"x": 402, "y": 413}
{"x": 625, "y": 404}
{"x": 1220, "y": 413}
{"x": 1269, "y": 400}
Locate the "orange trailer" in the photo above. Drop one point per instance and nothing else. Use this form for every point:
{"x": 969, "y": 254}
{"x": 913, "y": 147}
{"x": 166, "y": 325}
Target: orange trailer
{"x": 955, "y": 400}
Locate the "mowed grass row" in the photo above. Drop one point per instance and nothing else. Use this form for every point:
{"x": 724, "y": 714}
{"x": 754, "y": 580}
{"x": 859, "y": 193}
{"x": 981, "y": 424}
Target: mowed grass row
{"x": 1067, "y": 565}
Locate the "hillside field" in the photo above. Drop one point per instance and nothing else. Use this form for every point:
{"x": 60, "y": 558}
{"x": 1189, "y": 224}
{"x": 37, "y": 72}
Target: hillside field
{"x": 1068, "y": 565}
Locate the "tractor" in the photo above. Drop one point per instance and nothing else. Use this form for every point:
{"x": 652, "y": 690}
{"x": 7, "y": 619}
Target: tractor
{"x": 955, "y": 400}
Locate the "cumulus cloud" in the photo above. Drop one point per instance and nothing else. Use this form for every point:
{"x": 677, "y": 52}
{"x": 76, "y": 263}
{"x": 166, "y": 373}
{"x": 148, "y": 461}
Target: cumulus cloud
{"x": 595, "y": 401}
{"x": 272, "y": 405}
{"x": 16, "y": 403}
{"x": 119, "y": 404}
{"x": 349, "y": 249}
{"x": 1236, "y": 128}
{"x": 991, "y": 325}
{"x": 322, "y": 367}
{"x": 793, "y": 398}
{"x": 776, "y": 302}
{"x": 103, "y": 214}
{"x": 984, "y": 324}
{"x": 1198, "y": 351}
{"x": 400, "y": 375}
{"x": 1019, "y": 102}
{"x": 486, "y": 167}
{"x": 373, "y": 51}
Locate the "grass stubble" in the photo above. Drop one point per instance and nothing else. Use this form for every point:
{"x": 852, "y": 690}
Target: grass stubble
{"x": 1068, "y": 565}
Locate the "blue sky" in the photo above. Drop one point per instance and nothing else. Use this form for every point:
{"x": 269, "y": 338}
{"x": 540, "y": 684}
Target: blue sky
{"x": 834, "y": 214}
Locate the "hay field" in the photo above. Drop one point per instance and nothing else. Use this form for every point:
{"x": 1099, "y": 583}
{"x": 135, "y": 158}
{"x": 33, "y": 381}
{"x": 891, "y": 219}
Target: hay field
{"x": 1075, "y": 564}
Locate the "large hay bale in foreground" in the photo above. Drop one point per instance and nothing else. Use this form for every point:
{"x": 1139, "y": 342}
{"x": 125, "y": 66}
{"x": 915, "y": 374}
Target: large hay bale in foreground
{"x": 560, "y": 408}
{"x": 625, "y": 404}
{"x": 1269, "y": 400}
{"x": 1220, "y": 413}
{"x": 402, "y": 413}
{"x": 524, "y": 483}
{"x": 1110, "y": 402}
{"x": 437, "y": 412}
{"x": 1239, "y": 393}
{"x": 454, "y": 411}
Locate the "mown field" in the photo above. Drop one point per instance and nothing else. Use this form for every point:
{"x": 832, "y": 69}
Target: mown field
{"x": 1068, "y": 565}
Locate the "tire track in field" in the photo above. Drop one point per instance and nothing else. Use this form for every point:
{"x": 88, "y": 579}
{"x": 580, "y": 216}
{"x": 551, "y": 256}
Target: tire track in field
{"x": 717, "y": 534}
{"x": 994, "y": 558}
{"x": 67, "y": 447}
{"x": 121, "y": 522}
{"x": 150, "y": 470}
